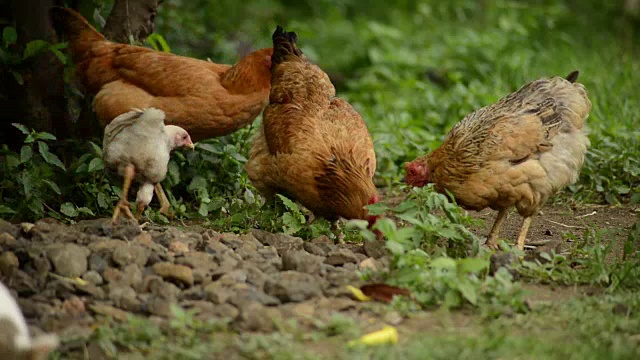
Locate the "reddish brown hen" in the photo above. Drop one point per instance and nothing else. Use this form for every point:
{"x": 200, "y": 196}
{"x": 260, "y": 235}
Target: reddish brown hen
{"x": 312, "y": 146}
{"x": 516, "y": 152}
{"x": 204, "y": 98}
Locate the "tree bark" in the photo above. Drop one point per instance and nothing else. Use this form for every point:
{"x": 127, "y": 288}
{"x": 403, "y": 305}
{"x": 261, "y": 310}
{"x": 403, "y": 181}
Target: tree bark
{"x": 131, "y": 20}
{"x": 40, "y": 102}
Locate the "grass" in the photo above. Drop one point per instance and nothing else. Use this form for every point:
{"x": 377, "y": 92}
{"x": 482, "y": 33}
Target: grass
{"x": 588, "y": 327}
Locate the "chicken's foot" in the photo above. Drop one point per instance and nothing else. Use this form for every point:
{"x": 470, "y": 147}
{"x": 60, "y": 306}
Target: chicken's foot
{"x": 492, "y": 238}
{"x": 165, "y": 205}
{"x": 140, "y": 209}
{"x": 123, "y": 204}
{"x": 526, "y": 222}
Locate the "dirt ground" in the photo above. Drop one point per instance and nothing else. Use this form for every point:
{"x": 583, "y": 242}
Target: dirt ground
{"x": 68, "y": 277}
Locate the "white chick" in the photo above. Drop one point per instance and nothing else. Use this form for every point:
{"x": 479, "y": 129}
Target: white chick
{"x": 137, "y": 144}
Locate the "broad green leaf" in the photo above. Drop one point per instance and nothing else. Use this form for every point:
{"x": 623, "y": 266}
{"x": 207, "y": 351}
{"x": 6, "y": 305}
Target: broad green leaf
{"x": 96, "y": 164}
{"x": 22, "y": 128}
{"x": 33, "y": 48}
{"x": 26, "y": 153}
{"x": 289, "y": 204}
{"x": 45, "y": 136}
{"x": 443, "y": 263}
{"x": 473, "y": 265}
{"x": 69, "y": 209}
{"x": 53, "y": 186}
{"x": 17, "y": 76}
{"x": 6, "y": 210}
{"x": 102, "y": 201}
{"x": 468, "y": 291}
{"x": 291, "y": 224}
{"x": 9, "y": 36}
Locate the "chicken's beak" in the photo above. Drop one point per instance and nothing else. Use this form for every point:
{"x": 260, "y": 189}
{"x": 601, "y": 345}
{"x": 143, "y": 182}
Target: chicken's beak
{"x": 191, "y": 146}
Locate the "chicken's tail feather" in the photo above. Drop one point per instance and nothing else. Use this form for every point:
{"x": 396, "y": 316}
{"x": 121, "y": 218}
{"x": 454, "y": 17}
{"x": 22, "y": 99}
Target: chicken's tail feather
{"x": 75, "y": 28}
{"x": 573, "y": 76}
{"x": 284, "y": 44}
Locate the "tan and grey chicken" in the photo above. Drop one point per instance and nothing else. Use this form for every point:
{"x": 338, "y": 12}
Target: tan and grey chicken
{"x": 137, "y": 144}
{"x": 312, "y": 146}
{"x": 516, "y": 152}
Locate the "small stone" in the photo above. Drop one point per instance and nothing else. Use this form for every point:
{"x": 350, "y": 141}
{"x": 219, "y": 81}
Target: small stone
{"x": 340, "y": 257}
{"x": 257, "y": 317}
{"x": 163, "y": 289}
{"x": 98, "y": 262}
{"x": 92, "y": 277}
{"x": 68, "y": 259}
{"x": 361, "y": 256}
{"x": 244, "y": 294}
{"x": 180, "y": 273}
{"x": 159, "y": 306}
{"x": 124, "y": 297}
{"x": 314, "y": 249}
{"x": 370, "y": 264}
{"x": 324, "y": 243}
{"x": 231, "y": 240}
{"x": 293, "y": 286}
{"x": 74, "y": 306}
{"x": 393, "y": 318}
{"x": 203, "y": 265}
{"x": 26, "y": 227}
{"x": 302, "y": 261}
{"x": 8, "y": 263}
{"x": 8, "y": 228}
{"x": 133, "y": 276}
{"x": 179, "y": 247}
{"x": 217, "y": 294}
{"x": 130, "y": 254}
{"x": 375, "y": 248}
{"x": 112, "y": 275}
{"x": 255, "y": 276}
{"x": 110, "y": 311}
{"x": 233, "y": 277}
{"x": 225, "y": 311}
{"x": 7, "y": 240}
{"x": 305, "y": 309}
{"x": 281, "y": 242}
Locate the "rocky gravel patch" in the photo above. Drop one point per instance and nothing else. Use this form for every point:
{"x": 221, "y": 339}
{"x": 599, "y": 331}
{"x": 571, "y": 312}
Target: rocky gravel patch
{"x": 66, "y": 277}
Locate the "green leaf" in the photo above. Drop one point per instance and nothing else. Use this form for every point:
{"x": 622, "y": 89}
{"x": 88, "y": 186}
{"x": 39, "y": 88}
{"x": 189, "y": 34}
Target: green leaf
{"x": 95, "y": 164}
{"x": 443, "y": 263}
{"x": 9, "y": 36}
{"x": 158, "y": 42}
{"x": 44, "y": 136}
{"x": 22, "y": 128}
{"x": 49, "y": 157}
{"x": 33, "y": 48}
{"x": 17, "y": 76}
{"x": 102, "y": 201}
{"x": 26, "y": 153}
{"x": 69, "y": 209}
{"x": 53, "y": 186}
{"x": 291, "y": 224}
{"x": 6, "y": 210}
{"x": 473, "y": 265}
{"x": 468, "y": 291}
{"x": 289, "y": 204}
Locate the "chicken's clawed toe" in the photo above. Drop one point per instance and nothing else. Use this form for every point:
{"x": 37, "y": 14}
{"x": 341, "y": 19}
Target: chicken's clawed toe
{"x": 123, "y": 206}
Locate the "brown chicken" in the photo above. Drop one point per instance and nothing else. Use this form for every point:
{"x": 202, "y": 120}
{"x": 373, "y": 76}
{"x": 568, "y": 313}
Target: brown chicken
{"x": 138, "y": 144}
{"x": 204, "y": 98}
{"x": 516, "y": 152}
{"x": 312, "y": 146}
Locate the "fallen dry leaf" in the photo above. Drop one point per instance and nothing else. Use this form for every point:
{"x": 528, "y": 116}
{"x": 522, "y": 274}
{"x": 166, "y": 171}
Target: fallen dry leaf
{"x": 383, "y": 292}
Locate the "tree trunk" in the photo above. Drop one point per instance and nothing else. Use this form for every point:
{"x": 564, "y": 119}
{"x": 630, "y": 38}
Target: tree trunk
{"x": 40, "y": 102}
{"x": 131, "y": 20}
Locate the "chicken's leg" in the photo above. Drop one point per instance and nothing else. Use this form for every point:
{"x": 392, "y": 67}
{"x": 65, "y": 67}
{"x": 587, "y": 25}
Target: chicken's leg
{"x": 526, "y": 222}
{"x": 492, "y": 238}
{"x": 164, "y": 201}
{"x": 123, "y": 204}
